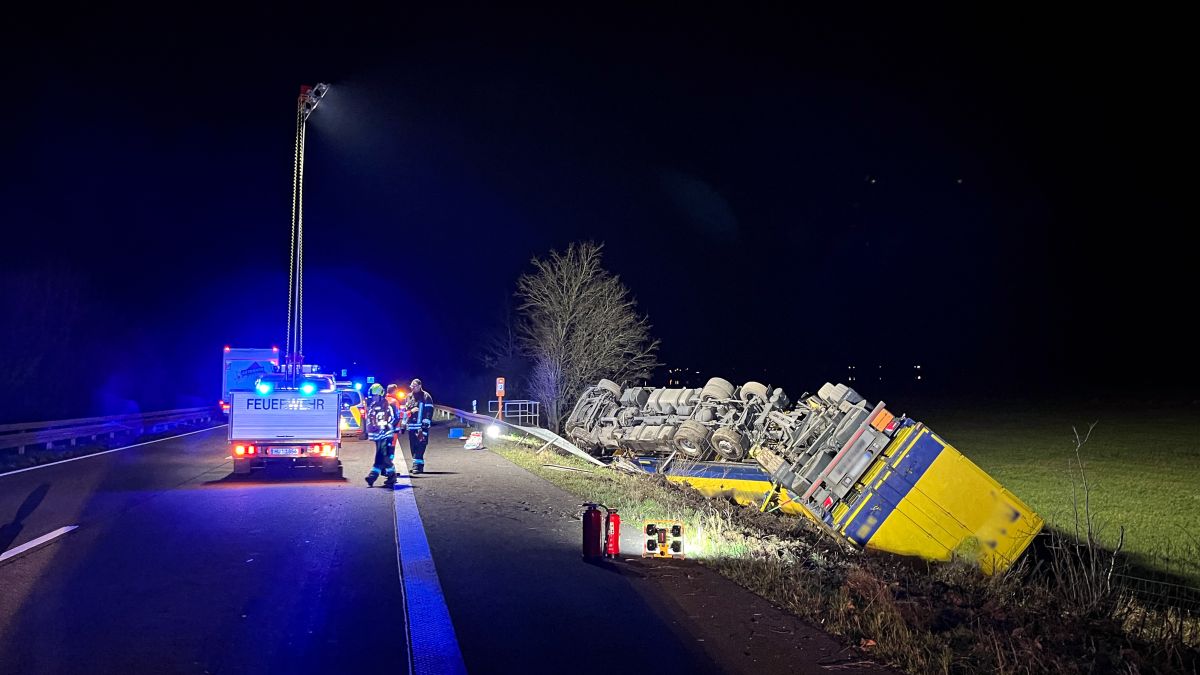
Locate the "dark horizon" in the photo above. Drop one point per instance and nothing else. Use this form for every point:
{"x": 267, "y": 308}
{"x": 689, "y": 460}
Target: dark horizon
{"x": 991, "y": 197}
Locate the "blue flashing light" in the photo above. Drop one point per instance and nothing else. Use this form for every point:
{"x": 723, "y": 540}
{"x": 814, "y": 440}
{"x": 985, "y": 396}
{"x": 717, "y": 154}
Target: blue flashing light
{"x": 358, "y": 386}
{"x": 308, "y": 388}
{"x": 263, "y": 388}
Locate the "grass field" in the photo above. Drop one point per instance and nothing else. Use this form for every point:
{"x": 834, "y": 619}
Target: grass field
{"x": 1143, "y": 466}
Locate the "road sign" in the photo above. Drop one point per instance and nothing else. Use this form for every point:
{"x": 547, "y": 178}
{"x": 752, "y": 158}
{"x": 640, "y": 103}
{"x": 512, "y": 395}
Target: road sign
{"x": 343, "y": 372}
{"x": 370, "y": 379}
{"x": 499, "y": 387}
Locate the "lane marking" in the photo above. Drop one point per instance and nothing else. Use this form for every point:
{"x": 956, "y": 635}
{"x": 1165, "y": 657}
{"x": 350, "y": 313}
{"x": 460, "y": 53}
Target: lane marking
{"x": 14, "y": 552}
{"x": 432, "y": 645}
{"x": 105, "y": 452}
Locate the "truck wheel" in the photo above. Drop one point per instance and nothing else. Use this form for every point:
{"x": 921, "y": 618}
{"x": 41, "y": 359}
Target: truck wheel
{"x": 752, "y": 389}
{"x": 717, "y": 388}
{"x": 611, "y": 387}
{"x": 691, "y": 438}
{"x": 241, "y": 467}
{"x": 730, "y": 444}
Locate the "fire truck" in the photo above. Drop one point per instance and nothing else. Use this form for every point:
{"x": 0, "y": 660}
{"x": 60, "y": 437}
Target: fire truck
{"x": 286, "y": 420}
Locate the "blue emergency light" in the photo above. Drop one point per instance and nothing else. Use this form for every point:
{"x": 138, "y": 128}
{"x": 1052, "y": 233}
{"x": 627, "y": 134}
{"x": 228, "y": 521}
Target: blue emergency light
{"x": 358, "y": 386}
{"x": 308, "y": 388}
{"x": 264, "y": 388}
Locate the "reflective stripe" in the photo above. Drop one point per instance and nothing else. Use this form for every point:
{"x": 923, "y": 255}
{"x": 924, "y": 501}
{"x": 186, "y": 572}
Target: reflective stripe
{"x": 433, "y": 644}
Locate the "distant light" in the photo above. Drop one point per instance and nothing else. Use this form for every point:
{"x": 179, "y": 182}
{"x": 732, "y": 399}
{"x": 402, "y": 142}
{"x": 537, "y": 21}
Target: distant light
{"x": 263, "y": 388}
{"x": 493, "y": 431}
{"x": 918, "y": 377}
{"x": 226, "y": 347}
{"x": 274, "y": 349}
{"x": 358, "y": 386}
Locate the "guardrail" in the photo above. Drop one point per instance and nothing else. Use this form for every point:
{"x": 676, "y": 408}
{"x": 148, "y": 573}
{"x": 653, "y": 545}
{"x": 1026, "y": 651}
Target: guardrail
{"x": 71, "y": 432}
{"x": 443, "y": 412}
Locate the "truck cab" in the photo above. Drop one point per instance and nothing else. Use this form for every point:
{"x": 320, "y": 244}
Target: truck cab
{"x": 286, "y": 420}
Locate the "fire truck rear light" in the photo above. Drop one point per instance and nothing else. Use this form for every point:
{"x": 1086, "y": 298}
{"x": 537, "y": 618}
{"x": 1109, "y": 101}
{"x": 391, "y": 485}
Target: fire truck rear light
{"x": 250, "y": 450}
{"x": 239, "y": 450}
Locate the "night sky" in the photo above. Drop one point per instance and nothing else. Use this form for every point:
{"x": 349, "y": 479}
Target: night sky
{"x": 1000, "y": 198}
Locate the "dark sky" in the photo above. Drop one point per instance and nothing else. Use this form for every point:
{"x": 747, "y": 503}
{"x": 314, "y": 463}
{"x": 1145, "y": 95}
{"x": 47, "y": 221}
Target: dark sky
{"x": 999, "y": 197}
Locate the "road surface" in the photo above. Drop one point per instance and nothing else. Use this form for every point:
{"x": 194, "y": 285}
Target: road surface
{"x": 175, "y": 565}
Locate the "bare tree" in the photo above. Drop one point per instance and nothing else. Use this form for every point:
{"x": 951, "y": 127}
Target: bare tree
{"x": 578, "y": 324}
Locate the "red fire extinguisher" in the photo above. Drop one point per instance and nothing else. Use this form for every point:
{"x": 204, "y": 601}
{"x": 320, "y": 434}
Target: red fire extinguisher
{"x": 612, "y": 534}
{"x": 593, "y": 532}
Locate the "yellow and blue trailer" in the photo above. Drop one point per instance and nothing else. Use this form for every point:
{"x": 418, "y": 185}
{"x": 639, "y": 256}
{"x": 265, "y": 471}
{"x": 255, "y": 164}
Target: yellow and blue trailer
{"x": 919, "y": 497}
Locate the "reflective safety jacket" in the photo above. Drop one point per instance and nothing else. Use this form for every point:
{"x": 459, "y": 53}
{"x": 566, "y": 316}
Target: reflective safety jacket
{"x": 388, "y": 426}
{"x": 400, "y": 412}
{"x": 420, "y": 411}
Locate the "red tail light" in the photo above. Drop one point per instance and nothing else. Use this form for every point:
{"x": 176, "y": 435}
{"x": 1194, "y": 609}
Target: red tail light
{"x": 239, "y": 450}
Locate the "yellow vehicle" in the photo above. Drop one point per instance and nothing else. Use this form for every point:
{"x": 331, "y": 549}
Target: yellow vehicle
{"x": 865, "y": 476}
{"x": 351, "y": 409}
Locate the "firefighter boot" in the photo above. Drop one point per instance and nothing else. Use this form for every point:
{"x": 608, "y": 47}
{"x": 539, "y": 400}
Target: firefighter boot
{"x": 371, "y": 479}
{"x": 391, "y": 481}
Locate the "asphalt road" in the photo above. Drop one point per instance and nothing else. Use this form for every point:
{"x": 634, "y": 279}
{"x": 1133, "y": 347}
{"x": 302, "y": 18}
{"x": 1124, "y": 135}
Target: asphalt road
{"x": 178, "y": 566}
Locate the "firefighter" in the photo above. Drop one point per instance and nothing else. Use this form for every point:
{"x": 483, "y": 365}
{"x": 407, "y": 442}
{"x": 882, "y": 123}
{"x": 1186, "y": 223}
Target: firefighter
{"x": 420, "y": 417}
{"x": 382, "y": 422}
{"x": 395, "y": 398}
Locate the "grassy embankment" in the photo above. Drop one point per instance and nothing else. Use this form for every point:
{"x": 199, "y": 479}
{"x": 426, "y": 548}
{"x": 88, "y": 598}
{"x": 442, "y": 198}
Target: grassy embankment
{"x": 920, "y": 617}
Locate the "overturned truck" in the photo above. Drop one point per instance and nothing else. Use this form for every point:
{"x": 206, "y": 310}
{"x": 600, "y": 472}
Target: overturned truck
{"x": 858, "y": 471}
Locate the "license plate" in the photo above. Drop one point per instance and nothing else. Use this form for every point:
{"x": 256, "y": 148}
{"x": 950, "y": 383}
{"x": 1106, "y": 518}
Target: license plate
{"x": 284, "y": 452}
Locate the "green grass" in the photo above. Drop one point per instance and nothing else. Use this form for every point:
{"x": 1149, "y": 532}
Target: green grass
{"x": 707, "y": 531}
{"x": 1143, "y": 466}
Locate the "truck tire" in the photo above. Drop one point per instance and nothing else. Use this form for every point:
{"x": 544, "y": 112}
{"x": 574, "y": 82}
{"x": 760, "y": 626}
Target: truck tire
{"x": 691, "y": 439}
{"x": 717, "y": 388}
{"x": 730, "y": 444}
{"x": 241, "y": 467}
{"x": 753, "y": 389}
{"x": 611, "y": 387}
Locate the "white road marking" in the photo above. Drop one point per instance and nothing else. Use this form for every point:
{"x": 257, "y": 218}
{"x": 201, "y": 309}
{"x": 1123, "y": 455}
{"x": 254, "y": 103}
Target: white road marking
{"x": 432, "y": 645}
{"x": 14, "y": 552}
{"x": 97, "y": 454}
